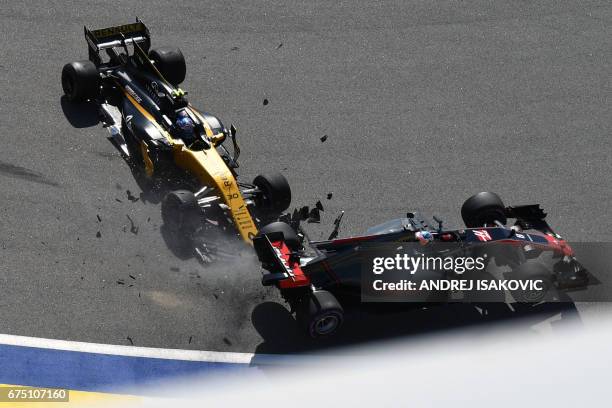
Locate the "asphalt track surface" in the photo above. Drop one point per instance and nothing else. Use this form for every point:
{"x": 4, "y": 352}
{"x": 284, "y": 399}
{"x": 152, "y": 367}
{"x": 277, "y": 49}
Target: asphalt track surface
{"x": 424, "y": 103}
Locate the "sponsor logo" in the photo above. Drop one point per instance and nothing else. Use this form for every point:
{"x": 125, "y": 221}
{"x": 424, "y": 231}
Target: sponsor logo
{"x": 153, "y": 90}
{"x": 279, "y": 254}
{"x": 131, "y": 92}
{"x": 482, "y": 235}
{"x": 110, "y": 31}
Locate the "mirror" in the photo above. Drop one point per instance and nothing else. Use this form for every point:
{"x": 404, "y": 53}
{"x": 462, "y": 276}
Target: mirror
{"x": 233, "y": 132}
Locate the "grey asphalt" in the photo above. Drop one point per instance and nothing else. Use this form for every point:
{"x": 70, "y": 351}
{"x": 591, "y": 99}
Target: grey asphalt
{"x": 424, "y": 103}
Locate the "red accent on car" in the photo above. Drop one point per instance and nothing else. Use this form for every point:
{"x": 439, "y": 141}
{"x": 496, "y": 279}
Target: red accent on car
{"x": 343, "y": 241}
{"x": 482, "y": 235}
{"x": 298, "y": 279}
{"x": 559, "y": 245}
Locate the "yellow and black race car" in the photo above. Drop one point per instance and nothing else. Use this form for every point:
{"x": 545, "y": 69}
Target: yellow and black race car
{"x": 161, "y": 131}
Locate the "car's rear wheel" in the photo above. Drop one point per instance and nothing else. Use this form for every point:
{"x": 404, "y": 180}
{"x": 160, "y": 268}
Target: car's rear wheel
{"x": 180, "y": 211}
{"x": 483, "y": 209}
{"x": 171, "y": 63}
{"x": 80, "y": 81}
{"x": 275, "y": 192}
{"x": 322, "y": 314}
{"x": 534, "y": 272}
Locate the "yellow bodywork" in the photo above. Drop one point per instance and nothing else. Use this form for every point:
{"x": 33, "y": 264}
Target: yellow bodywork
{"x": 209, "y": 168}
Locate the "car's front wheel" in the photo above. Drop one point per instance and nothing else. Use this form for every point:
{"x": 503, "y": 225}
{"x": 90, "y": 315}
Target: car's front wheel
{"x": 275, "y": 192}
{"x": 180, "y": 211}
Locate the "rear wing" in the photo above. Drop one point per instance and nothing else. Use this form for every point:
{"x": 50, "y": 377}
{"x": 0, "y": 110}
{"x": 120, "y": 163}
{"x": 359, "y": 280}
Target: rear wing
{"x": 274, "y": 254}
{"x": 529, "y": 217}
{"x": 122, "y": 35}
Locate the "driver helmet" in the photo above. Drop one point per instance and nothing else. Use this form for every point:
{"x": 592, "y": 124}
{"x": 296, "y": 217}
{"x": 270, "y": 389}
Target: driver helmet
{"x": 184, "y": 122}
{"x": 424, "y": 237}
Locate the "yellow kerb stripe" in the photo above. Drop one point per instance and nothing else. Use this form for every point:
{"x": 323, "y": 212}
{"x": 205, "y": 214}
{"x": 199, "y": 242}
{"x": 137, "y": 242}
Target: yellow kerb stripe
{"x": 76, "y": 398}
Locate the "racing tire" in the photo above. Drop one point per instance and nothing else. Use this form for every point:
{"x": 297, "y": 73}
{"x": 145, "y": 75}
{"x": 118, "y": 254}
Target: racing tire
{"x": 322, "y": 315}
{"x": 171, "y": 63}
{"x": 275, "y": 191}
{"x": 483, "y": 208}
{"x": 289, "y": 235}
{"x": 534, "y": 271}
{"x": 180, "y": 211}
{"x": 80, "y": 81}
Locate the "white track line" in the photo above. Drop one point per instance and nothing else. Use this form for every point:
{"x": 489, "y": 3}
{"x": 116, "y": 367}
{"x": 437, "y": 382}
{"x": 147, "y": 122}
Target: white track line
{"x": 130, "y": 351}
{"x": 161, "y": 353}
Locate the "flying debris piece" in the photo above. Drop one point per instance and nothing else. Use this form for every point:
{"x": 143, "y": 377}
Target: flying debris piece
{"x": 132, "y": 277}
{"x": 118, "y": 200}
{"x": 330, "y": 195}
{"x": 226, "y": 341}
{"x": 131, "y": 197}
{"x": 175, "y": 269}
{"x": 120, "y": 282}
{"x": 304, "y": 212}
{"x": 323, "y": 138}
{"x": 279, "y": 45}
{"x": 98, "y": 234}
{"x": 133, "y": 228}
{"x": 190, "y": 338}
{"x": 293, "y": 219}
{"x": 265, "y": 101}
{"x": 336, "y": 230}
{"x": 204, "y": 254}
{"x": 286, "y": 217}
{"x": 234, "y": 48}
{"x": 319, "y": 206}
{"x": 314, "y": 216}
{"x": 296, "y": 214}
{"x": 99, "y": 219}
{"x": 130, "y": 340}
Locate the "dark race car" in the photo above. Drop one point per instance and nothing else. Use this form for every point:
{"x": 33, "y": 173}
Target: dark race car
{"x": 161, "y": 132}
{"x": 310, "y": 274}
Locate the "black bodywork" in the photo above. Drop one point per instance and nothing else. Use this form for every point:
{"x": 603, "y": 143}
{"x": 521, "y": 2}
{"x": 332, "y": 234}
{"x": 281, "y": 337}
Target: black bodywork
{"x": 310, "y": 268}
{"x": 131, "y": 76}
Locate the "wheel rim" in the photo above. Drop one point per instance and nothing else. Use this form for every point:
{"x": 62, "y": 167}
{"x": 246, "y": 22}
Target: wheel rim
{"x": 535, "y": 296}
{"x": 326, "y": 324}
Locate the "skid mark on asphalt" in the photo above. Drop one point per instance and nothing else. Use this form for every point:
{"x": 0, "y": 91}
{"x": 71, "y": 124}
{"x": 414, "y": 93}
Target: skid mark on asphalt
{"x": 10, "y": 170}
